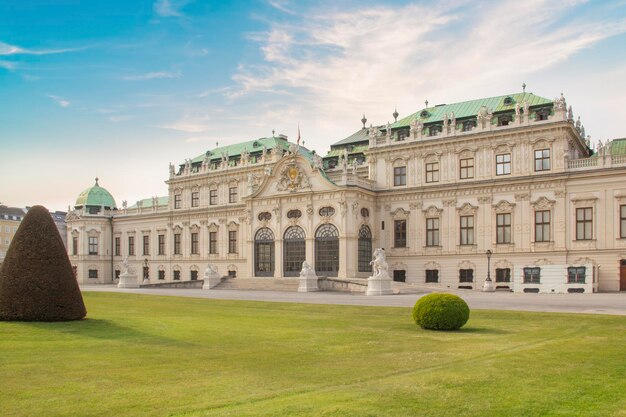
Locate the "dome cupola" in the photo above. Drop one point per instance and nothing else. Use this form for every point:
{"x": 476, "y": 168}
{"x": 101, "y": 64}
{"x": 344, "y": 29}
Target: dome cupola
{"x": 93, "y": 199}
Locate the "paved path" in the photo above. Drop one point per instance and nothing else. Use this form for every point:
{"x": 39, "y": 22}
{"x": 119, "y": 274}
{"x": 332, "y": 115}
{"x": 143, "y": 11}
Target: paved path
{"x": 603, "y": 303}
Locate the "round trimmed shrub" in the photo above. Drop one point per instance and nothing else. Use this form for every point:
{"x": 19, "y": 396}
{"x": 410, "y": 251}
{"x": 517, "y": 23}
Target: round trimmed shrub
{"x": 440, "y": 311}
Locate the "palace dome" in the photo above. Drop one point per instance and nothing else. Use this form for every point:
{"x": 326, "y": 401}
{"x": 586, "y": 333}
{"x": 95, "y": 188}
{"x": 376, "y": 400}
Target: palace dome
{"x": 96, "y": 196}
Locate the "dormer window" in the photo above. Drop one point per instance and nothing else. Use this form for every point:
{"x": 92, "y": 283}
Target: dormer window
{"x": 504, "y": 119}
{"x": 434, "y": 130}
{"x": 542, "y": 114}
{"x": 424, "y": 114}
{"x": 508, "y": 101}
{"x": 468, "y": 125}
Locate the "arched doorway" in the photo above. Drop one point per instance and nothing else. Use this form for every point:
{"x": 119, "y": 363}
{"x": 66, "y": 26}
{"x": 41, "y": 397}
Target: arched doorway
{"x": 264, "y": 253}
{"x": 365, "y": 249}
{"x": 294, "y": 251}
{"x": 327, "y": 250}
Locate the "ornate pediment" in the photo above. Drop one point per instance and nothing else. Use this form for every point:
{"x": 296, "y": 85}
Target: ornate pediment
{"x": 504, "y": 207}
{"x": 291, "y": 178}
{"x": 400, "y": 213}
{"x": 542, "y": 203}
{"x": 466, "y": 265}
{"x": 467, "y": 210}
{"x": 432, "y": 211}
{"x": 213, "y": 227}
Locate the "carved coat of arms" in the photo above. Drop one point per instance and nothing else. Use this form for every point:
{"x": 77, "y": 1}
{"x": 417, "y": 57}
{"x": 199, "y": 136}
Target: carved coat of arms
{"x": 292, "y": 179}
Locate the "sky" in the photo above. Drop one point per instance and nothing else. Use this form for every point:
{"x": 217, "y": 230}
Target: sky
{"x": 119, "y": 89}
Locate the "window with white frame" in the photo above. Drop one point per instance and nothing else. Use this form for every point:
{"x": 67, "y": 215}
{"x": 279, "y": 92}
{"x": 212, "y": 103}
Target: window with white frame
{"x": 503, "y": 164}
{"x": 542, "y": 159}
{"x": 584, "y": 223}
{"x": 503, "y": 228}
{"x": 532, "y": 275}
{"x": 432, "y": 172}
{"x": 542, "y": 226}
{"x": 576, "y": 275}
{"x": 399, "y": 176}
{"x": 467, "y": 230}
{"x": 466, "y": 168}
{"x": 432, "y": 232}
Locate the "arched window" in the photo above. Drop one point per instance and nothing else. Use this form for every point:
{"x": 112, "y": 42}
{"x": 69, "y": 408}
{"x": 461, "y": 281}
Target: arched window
{"x": 365, "y": 249}
{"x": 264, "y": 253}
{"x": 327, "y": 250}
{"x": 294, "y": 251}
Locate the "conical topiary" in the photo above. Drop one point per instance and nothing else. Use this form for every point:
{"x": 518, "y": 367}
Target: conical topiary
{"x": 36, "y": 279}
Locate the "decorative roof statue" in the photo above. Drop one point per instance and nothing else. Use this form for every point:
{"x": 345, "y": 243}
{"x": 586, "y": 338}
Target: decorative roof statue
{"x": 172, "y": 170}
{"x": 517, "y": 109}
{"x": 570, "y": 114}
{"x": 355, "y": 163}
{"x": 526, "y": 109}
{"x": 453, "y": 120}
{"x": 582, "y": 131}
{"x": 578, "y": 124}
{"x": 317, "y": 161}
{"x": 373, "y": 131}
{"x": 124, "y": 204}
{"x": 559, "y": 103}
{"x": 445, "y": 120}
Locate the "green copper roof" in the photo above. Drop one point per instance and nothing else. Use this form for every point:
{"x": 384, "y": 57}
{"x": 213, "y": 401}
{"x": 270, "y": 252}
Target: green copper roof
{"x": 147, "y": 202}
{"x": 359, "y": 136}
{"x": 618, "y": 147}
{"x": 471, "y": 108}
{"x": 252, "y": 146}
{"x": 95, "y": 196}
{"x": 355, "y": 149}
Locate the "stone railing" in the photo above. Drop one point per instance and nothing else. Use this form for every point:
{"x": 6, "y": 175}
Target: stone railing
{"x": 596, "y": 162}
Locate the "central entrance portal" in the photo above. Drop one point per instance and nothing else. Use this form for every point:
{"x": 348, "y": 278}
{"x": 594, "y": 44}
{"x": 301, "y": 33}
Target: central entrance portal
{"x": 294, "y": 251}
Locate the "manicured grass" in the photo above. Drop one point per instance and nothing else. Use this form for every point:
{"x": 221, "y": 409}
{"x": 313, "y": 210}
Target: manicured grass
{"x": 147, "y": 355}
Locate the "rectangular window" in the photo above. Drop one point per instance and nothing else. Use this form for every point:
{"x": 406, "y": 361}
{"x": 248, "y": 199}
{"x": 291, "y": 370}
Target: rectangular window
{"x": 213, "y": 197}
{"x": 542, "y": 160}
{"x": 176, "y": 275}
{"x": 532, "y": 275}
{"x": 542, "y": 226}
{"x": 466, "y": 275}
{"x": 161, "y": 245}
{"x": 503, "y": 224}
{"x": 75, "y": 245}
{"x": 432, "y": 232}
{"x": 503, "y": 164}
{"x": 118, "y": 246}
{"x": 194, "y": 275}
{"x": 232, "y": 195}
{"x": 467, "y": 168}
{"x": 399, "y": 238}
{"x": 503, "y": 274}
{"x": 131, "y": 245}
{"x": 467, "y": 230}
{"x": 93, "y": 245}
{"x": 622, "y": 217}
{"x": 194, "y": 244}
{"x": 584, "y": 223}
{"x": 212, "y": 243}
{"x": 432, "y": 172}
{"x": 176, "y": 243}
{"x": 177, "y": 200}
{"x": 399, "y": 176}
{"x": 432, "y": 275}
{"x": 576, "y": 275}
{"x": 146, "y": 245}
{"x": 232, "y": 241}
{"x": 161, "y": 275}
{"x": 93, "y": 273}
{"x": 195, "y": 199}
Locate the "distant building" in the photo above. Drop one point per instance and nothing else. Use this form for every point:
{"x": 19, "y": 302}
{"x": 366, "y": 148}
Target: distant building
{"x": 10, "y": 219}
{"x": 513, "y": 175}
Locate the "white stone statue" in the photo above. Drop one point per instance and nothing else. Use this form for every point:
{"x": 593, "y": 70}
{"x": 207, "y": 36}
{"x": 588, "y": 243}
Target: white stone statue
{"x": 379, "y": 264}
{"x": 211, "y": 277}
{"x": 355, "y": 163}
{"x": 188, "y": 166}
{"x": 570, "y": 113}
{"x": 453, "y": 120}
{"x": 245, "y": 157}
{"x": 128, "y": 278}
{"x": 446, "y": 121}
{"x": 172, "y": 170}
{"x": 526, "y": 110}
{"x": 317, "y": 161}
{"x": 372, "y": 132}
{"x": 308, "y": 279}
{"x": 124, "y": 204}
{"x": 517, "y": 109}
{"x": 380, "y": 282}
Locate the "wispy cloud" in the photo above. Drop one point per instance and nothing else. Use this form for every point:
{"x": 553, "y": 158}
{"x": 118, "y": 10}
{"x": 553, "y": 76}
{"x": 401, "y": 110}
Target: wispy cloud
{"x": 8, "y": 65}
{"x": 60, "y": 101}
{"x": 281, "y": 5}
{"x": 337, "y": 65}
{"x": 152, "y": 76}
{"x": 6, "y": 49}
{"x": 168, "y": 8}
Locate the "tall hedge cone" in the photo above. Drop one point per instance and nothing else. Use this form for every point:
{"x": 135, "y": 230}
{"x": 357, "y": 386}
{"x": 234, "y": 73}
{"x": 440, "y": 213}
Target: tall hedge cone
{"x": 36, "y": 279}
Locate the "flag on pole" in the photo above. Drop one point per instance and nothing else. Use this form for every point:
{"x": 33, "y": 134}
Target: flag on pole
{"x": 298, "y": 141}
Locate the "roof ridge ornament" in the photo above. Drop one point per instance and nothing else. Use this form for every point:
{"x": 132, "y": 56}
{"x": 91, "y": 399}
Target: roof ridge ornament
{"x": 523, "y": 87}
{"x": 395, "y": 115}
{"x": 97, "y": 181}
{"x": 363, "y": 120}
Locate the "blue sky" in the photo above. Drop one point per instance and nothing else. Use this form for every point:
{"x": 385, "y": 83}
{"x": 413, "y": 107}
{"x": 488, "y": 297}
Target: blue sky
{"x": 119, "y": 89}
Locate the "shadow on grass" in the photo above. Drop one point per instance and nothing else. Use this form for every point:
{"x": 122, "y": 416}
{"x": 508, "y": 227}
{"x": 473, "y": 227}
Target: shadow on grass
{"x": 481, "y": 330}
{"x": 105, "y": 330}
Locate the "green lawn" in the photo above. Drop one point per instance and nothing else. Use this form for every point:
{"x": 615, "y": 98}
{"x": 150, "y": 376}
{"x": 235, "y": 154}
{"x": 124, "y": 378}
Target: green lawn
{"x": 148, "y": 355}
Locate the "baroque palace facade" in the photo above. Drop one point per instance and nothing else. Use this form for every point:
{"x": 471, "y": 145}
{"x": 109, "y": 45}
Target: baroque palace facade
{"x": 506, "y": 187}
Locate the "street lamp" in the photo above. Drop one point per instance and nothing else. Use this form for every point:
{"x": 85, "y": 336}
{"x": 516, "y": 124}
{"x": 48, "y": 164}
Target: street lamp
{"x": 488, "y": 285}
